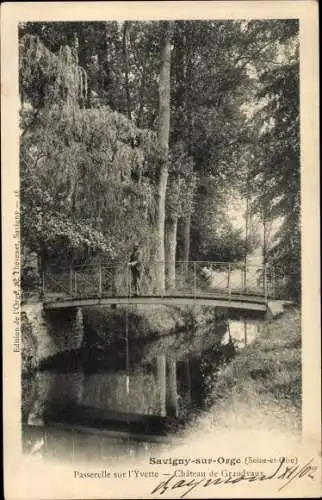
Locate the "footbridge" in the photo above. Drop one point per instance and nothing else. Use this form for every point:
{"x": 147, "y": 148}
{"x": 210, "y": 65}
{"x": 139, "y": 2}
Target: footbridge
{"x": 220, "y": 284}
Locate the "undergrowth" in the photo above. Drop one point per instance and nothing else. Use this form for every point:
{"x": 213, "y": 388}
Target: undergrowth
{"x": 265, "y": 378}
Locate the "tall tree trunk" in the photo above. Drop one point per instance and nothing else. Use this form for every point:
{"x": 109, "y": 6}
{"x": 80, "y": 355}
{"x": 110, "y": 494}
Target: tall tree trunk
{"x": 188, "y": 108}
{"x": 163, "y": 136}
{"x": 264, "y": 251}
{"x": 189, "y": 72}
{"x": 161, "y": 381}
{"x": 186, "y": 240}
{"x": 246, "y": 231}
{"x": 172, "y": 395}
{"x": 246, "y": 243}
{"x": 171, "y": 247}
{"x": 139, "y": 122}
{"x": 126, "y": 70}
{"x": 178, "y": 128}
{"x": 264, "y": 239}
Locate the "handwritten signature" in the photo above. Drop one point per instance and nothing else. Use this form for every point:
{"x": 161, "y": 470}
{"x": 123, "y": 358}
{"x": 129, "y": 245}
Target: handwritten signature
{"x": 286, "y": 474}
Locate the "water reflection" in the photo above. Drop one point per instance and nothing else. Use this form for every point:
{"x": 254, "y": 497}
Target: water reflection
{"x": 140, "y": 392}
{"x": 242, "y": 332}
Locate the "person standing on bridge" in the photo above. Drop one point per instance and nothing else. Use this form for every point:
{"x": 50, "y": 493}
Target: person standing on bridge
{"x": 135, "y": 265}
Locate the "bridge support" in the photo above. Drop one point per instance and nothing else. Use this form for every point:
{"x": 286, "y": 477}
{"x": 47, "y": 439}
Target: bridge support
{"x": 66, "y": 328}
{"x": 54, "y": 331}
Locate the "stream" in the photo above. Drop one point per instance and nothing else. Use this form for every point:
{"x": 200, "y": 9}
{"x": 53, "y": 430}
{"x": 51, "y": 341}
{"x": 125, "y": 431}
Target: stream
{"x": 130, "y": 397}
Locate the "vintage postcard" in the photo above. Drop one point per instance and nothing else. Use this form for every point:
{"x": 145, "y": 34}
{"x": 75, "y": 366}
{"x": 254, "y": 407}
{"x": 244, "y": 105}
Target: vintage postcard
{"x": 160, "y": 201}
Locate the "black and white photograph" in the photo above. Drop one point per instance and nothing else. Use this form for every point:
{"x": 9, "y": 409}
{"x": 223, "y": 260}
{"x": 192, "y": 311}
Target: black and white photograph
{"x": 159, "y": 249}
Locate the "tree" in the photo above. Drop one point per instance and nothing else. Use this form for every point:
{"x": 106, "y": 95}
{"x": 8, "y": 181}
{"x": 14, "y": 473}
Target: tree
{"x": 83, "y": 170}
{"x": 277, "y": 178}
{"x": 214, "y": 67}
{"x": 208, "y": 93}
{"x": 163, "y": 137}
{"x": 179, "y": 204}
{"x": 213, "y": 236}
{"x": 126, "y": 69}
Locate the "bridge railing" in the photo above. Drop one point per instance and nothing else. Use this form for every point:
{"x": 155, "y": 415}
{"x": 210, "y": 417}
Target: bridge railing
{"x": 197, "y": 278}
{"x": 87, "y": 281}
{"x": 223, "y": 278}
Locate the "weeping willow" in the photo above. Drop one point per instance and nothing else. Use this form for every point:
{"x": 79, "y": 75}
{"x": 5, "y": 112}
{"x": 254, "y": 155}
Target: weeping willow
{"x": 50, "y": 78}
{"x": 92, "y": 167}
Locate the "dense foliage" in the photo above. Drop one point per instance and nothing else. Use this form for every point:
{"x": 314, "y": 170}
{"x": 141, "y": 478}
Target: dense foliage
{"x": 276, "y": 177}
{"x": 92, "y": 98}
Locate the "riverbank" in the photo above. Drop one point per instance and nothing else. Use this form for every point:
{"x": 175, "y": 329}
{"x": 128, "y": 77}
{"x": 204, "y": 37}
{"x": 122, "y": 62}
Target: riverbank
{"x": 106, "y": 325}
{"x": 261, "y": 387}
{"x": 220, "y": 382}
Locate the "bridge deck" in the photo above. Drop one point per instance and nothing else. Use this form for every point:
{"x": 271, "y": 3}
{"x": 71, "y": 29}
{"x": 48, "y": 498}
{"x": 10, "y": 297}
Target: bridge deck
{"x": 248, "y": 302}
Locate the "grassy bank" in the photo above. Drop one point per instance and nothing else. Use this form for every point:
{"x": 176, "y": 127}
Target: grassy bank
{"x": 262, "y": 385}
{"x": 142, "y": 322}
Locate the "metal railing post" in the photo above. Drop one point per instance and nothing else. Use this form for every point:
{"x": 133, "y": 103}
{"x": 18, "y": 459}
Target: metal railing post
{"x": 273, "y": 282}
{"x": 229, "y": 283}
{"x": 100, "y": 280}
{"x": 161, "y": 273}
{"x": 43, "y": 283}
{"x": 75, "y": 282}
{"x": 194, "y": 279}
{"x": 128, "y": 280}
{"x": 265, "y": 282}
{"x": 71, "y": 280}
